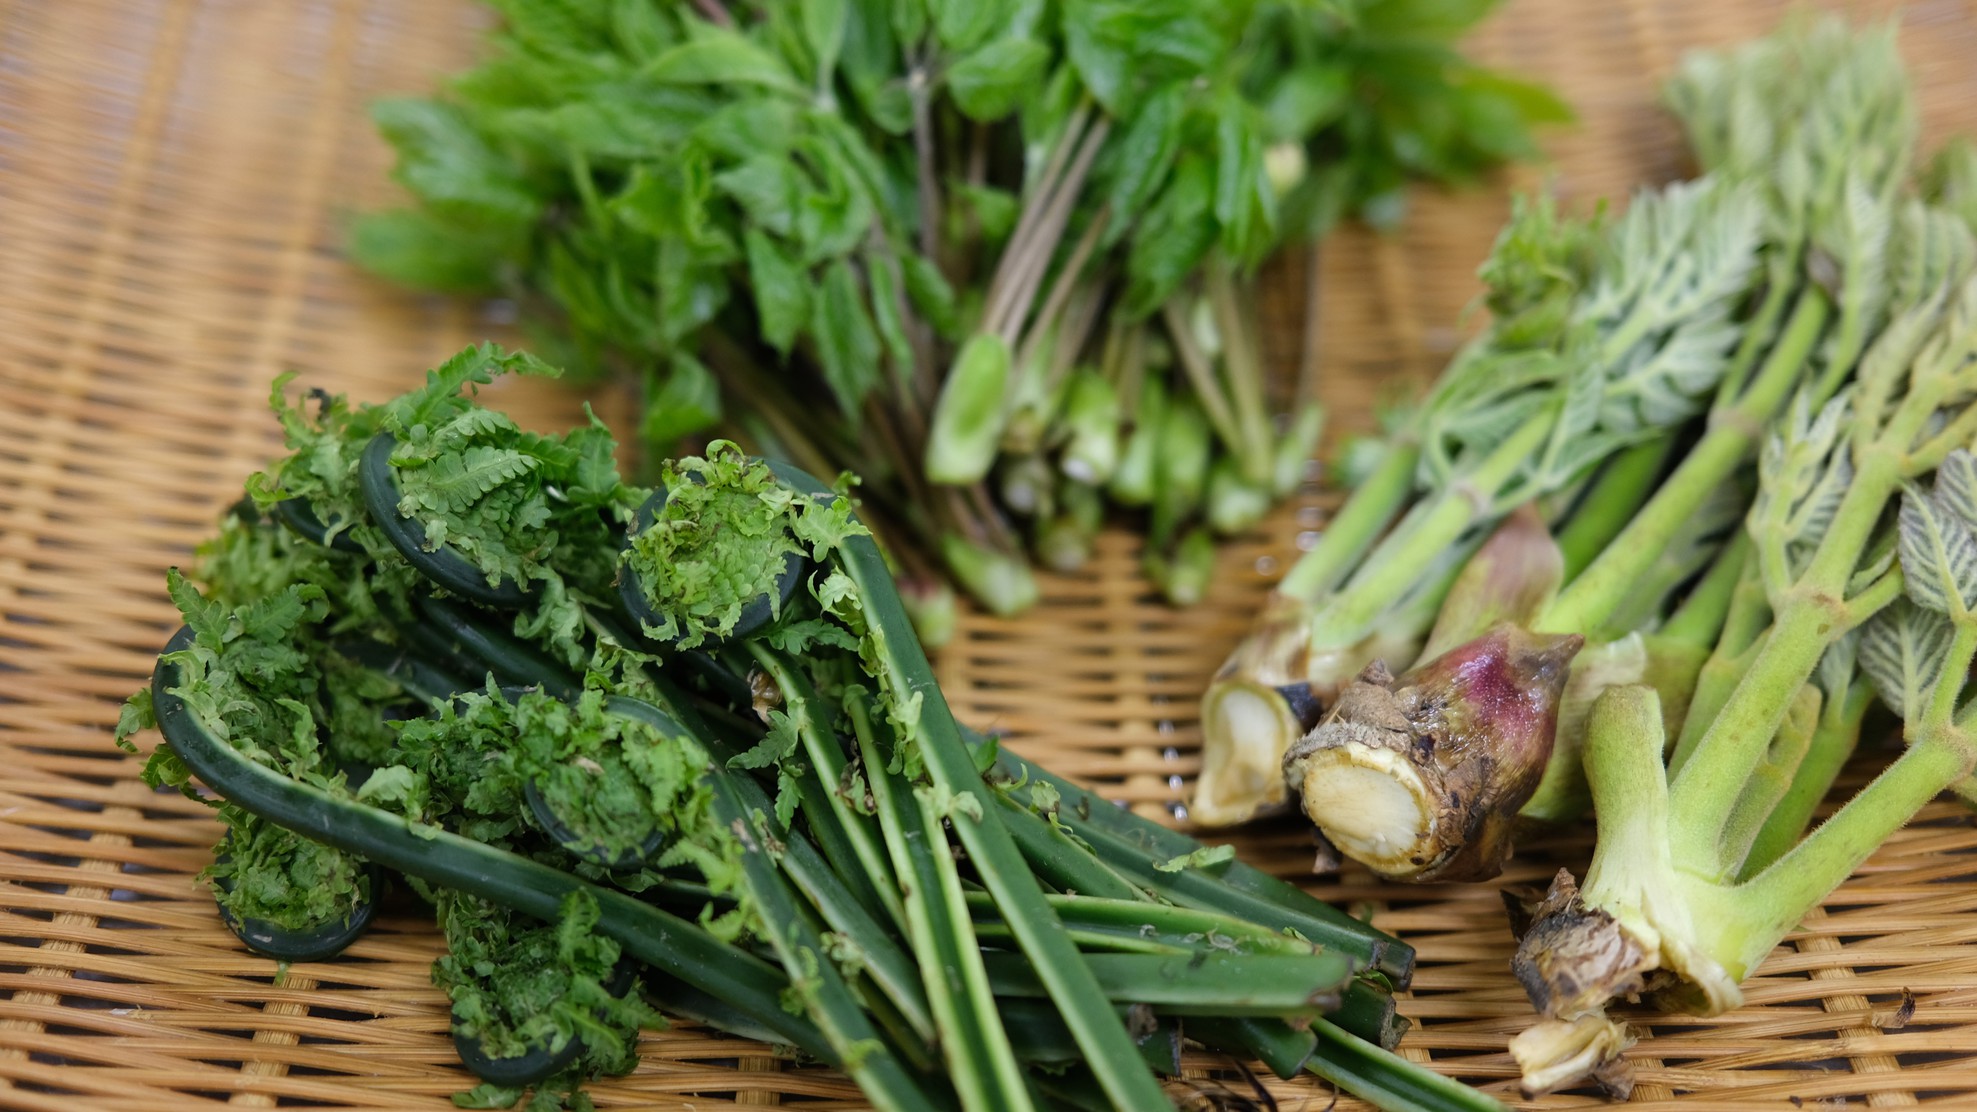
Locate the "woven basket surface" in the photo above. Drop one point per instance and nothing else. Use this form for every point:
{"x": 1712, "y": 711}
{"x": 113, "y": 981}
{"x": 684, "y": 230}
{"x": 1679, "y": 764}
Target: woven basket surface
{"x": 174, "y": 175}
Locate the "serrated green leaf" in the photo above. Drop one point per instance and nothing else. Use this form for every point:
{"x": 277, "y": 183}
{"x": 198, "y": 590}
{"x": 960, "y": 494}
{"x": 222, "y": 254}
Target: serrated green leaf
{"x": 640, "y": 30}
{"x": 962, "y": 25}
{"x": 749, "y": 128}
{"x": 834, "y": 216}
{"x": 988, "y": 83}
{"x": 684, "y": 399}
{"x": 823, "y": 34}
{"x": 209, "y": 620}
{"x": 450, "y": 166}
{"x": 1902, "y": 650}
{"x": 1177, "y": 233}
{"x": 766, "y": 186}
{"x": 721, "y": 57}
{"x": 928, "y": 292}
{"x": 670, "y": 203}
{"x": 1956, "y": 486}
{"x": 782, "y": 296}
{"x": 1938, "y": 555}
{"x": 1137, "y": 163}
{"x": 452, "y": 483}
{"x": 847, "y": 343}
{"x": 1119, "y": 48}
{"x": 777, "y": 745}
{"x": 440, "y": 397}
{"x": 1245, "y": 205}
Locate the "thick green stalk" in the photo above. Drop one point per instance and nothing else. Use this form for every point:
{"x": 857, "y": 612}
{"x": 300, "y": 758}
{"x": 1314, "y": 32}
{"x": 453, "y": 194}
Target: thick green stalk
{"x": 1942, "y": 706}
{"x": 1591, "y": 598}
{"x": 1630, "y": 798}
{"x": 1781, "y": 282}
{"x": 829, "y": 808}
{"x": 1214, "y": 984}
{"x": 1700, "y": 619}
{"x": 1776, "y": 899}
{"x": 1744, "y": 625}
{"x": 913, "y": 692}
{"x": 1705, "y": 791}
{"x": 1351, "y": 532}
{"x": 826, "y": 997}
{"x": 972, "y": 1037}
{"x": 1769, "y": 782}
{"x": 1231, "y": 887}
{"x": 1611, "y": 502}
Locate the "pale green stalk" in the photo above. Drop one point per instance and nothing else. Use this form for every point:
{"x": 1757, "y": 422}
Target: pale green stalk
{"x": 822, "y": 749}
{"x": 1397, "y": 563}
{"x": 1733, "y": 434}
{"x": 972, "y": 1039}
{"x": 1353, "y": 529}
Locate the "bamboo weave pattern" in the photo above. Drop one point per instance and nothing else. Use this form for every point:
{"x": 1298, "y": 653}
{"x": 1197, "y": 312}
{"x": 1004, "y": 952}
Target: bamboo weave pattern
{"x": 173, "y": 178}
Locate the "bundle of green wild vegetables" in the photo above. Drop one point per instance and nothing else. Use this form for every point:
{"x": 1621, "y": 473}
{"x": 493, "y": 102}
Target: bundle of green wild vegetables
{"x": 677, "y": 749}
{"x": 1701, "y": 491}
{"x": 996, "y": 257}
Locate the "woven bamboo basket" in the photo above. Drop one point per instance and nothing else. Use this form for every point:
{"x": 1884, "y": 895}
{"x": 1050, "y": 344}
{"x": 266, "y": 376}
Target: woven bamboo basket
{"x": 174, "y": 175}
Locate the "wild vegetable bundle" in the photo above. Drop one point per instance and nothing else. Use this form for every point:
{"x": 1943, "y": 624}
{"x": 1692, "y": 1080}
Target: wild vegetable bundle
{"x": 1735, "y": 427}
{"x": 678, "y": 750}
{"x": 994, "y": 257}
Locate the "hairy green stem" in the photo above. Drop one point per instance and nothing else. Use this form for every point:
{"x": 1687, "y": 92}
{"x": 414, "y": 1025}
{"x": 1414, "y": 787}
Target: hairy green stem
{"x": 1769, "y": 782}
{"x": 1779, "y": 897}
{"x": 1809, "y": 617}
{"x": 1833, "y": 741}
{"x": 1699, "y": 620}
{"x": 1744, "y": 626}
